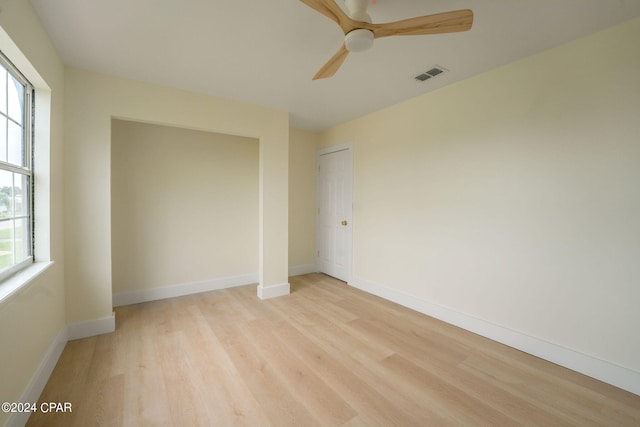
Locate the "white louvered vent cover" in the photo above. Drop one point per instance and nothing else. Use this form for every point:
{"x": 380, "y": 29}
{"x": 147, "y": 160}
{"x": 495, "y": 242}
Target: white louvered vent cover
{"x": 431, "y": 73}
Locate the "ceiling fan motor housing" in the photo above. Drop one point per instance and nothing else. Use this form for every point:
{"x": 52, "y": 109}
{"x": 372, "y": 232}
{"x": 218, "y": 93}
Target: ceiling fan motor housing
{"x": 358, "y": 10}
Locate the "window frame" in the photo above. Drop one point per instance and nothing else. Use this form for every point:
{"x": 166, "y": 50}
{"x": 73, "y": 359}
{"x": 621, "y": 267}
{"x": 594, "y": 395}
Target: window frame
{"x": 26, "y": 170}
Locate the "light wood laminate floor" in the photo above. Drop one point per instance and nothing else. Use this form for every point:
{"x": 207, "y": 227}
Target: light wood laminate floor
{"x": 327, "y": 354}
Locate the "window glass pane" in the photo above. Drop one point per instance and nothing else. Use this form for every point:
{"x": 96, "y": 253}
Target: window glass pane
{"x": 3, "y": 90}
{"x": 21, "y": 195}
{"x": 6, "y": 244}
{"x": 16, "y": 144}
{"x": 16, "y": 220}
{"x": 22, "y": 245}
{"x": 3, "y": 138}
{"x": 15, "y": 96}
{"x": 6, "y": 195}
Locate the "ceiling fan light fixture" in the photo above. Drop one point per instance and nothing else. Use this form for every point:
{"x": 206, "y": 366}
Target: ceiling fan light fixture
{"x": 359, "y": 40}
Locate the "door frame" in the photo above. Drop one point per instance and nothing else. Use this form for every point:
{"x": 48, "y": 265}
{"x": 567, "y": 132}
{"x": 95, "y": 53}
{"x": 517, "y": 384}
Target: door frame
{"x": 350, "y": 146}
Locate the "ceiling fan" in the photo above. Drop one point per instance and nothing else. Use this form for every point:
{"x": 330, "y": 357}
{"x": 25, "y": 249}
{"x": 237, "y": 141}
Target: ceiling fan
{"x": 360, "y": 32}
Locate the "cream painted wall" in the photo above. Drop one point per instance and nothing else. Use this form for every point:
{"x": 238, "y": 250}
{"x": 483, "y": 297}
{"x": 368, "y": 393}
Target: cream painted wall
{"x": 513, "y": 196}
{"x": 184, "y": 206}
{"x": 302, "y": 202}
{"x": 31, "y": 319}
{"x": 91, "y": 100}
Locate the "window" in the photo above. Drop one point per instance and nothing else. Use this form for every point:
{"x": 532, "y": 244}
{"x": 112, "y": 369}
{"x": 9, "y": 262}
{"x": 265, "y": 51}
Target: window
{"x": 16, "y": 174}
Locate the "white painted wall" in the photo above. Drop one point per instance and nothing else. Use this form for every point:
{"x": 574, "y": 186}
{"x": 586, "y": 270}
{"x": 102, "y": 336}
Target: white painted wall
{"x": 184, "y": 206}
{"x": 32, "y": 318}
{"x": 302, "y": 187}
{"x": 91, "y": 101}
{"x": 513, "y": 197}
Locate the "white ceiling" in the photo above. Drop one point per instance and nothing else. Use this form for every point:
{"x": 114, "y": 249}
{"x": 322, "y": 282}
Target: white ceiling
{"x": 265, "y": 52}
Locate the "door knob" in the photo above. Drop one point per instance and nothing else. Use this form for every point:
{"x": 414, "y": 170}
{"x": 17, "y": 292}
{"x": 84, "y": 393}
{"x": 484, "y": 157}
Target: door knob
{"x": 344, "y": 222}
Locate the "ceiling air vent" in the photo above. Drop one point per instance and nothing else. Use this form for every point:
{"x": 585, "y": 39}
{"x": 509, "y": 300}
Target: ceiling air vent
{"x": 429, "y": 74}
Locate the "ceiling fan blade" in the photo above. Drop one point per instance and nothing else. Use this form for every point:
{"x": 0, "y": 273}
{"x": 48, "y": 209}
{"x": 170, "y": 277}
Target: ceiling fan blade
{"x": 330, "y": 68}
{"x": 330, "y": 9}
{"x": 447, "y": 22}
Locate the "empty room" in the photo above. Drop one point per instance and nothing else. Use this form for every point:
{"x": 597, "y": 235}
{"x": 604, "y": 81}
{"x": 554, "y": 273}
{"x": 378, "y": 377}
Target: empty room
{"x": 283, "y": 213}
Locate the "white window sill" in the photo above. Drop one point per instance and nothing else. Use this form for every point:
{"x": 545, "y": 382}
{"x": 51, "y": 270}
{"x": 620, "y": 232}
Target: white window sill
{"x": 14, "y": 284}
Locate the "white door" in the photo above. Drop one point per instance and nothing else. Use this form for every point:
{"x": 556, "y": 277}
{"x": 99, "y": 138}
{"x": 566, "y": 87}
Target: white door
{"x": 334, "y": 211}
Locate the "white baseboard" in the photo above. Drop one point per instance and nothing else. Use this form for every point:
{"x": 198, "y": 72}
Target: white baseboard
{"x": 273, "y": 291}
{"x": 146, "y": 295}
{"x": 299, "y": 270}
{"x": 40, "y": 377}
{"x": 607, "y": 372}
{"x": 90, "y": 328}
